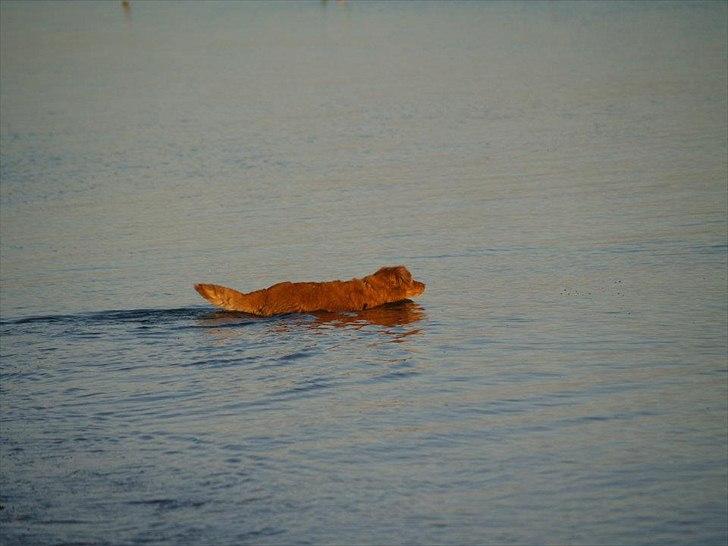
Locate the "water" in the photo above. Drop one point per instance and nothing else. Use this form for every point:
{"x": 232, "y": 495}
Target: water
{"x": 555, "y": 173}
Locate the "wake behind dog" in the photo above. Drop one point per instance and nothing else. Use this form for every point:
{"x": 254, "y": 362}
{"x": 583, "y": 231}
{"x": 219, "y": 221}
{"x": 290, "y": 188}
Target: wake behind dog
{"x": 387, "y": 285}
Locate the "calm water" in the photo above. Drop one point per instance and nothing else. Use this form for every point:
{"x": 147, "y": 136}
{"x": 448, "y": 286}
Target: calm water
{"x": 555, "y": 173}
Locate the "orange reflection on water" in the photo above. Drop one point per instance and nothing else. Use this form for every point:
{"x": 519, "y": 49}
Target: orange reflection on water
{"x": 387, "y": 316}
{"x": 390, "y": 318}
{"x": 392, "y": 314}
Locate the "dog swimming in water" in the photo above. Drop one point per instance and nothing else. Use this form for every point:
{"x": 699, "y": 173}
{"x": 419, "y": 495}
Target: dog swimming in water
{"x": 387, "y": 285}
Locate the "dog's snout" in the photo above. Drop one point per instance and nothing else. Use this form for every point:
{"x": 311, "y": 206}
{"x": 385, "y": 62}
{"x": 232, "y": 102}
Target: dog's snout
{"x": 419, "y": 287}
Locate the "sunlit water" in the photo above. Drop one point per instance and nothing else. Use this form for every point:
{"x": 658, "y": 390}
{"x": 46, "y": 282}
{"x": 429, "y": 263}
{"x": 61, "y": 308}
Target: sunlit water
{"x": 555, "y": 173}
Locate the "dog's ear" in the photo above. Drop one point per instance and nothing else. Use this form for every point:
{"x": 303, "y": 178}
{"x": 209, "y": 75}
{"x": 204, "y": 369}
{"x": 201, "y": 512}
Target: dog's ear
{"x": 402, "y": 275}
{"x": 398, "y": 275}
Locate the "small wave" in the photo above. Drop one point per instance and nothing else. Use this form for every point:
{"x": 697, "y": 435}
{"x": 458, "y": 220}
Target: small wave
{"x": 711, "y": 249}
{"x": 295, "y": 356}
{"x": 167, "y": 504}
{"x": 300, "y": 390}
{"x": 218, "y": 362}
{"x": 114, "y": 316}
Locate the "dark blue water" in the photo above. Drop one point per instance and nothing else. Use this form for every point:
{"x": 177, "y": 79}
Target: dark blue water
{"x": 187, "y": 425}
{"x": 556, "y": 174}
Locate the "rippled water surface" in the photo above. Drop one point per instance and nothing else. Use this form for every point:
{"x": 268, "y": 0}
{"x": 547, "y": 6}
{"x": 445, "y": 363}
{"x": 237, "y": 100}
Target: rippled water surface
{"x": 556, "y": 174}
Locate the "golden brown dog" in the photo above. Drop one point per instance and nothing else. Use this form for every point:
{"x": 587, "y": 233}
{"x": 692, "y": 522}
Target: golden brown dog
{"x": 387, "y": 285}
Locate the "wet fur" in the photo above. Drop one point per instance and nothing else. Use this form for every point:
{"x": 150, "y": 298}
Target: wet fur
{"x": 387, "y": 285}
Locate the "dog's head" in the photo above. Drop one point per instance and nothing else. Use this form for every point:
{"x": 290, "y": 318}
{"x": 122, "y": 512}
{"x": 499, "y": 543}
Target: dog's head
{"x": 396, "y": 281}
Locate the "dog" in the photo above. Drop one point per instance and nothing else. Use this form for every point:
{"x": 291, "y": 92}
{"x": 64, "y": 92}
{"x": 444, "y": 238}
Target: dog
{"x": 387, "y": 285}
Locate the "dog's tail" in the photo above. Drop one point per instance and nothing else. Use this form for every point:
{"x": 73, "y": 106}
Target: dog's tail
{"x": 227, "y": 298}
